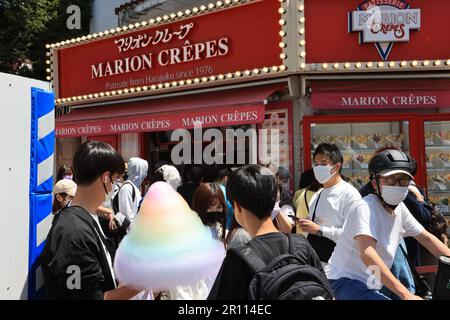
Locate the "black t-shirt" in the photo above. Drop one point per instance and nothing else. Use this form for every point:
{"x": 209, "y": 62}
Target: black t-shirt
{"x": 233, "y": 280}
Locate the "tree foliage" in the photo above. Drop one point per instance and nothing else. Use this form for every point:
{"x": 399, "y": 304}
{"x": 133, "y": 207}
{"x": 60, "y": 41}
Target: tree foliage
{"x": 26, "y": 26}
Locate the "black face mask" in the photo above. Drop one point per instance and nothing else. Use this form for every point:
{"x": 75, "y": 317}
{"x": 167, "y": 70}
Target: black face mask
{"x": 213, "y": 217}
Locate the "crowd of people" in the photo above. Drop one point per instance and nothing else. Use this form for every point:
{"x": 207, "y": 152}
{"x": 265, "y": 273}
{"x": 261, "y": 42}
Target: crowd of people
{"x": 353, "y": 244}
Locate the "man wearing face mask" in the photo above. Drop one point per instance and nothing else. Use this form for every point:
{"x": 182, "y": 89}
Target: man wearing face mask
{"x": 77, "y": 257}
{"x": 408, "y": 253}
{"x": 361, "y": 262}
{"x": 330, "y": 206}
{"x": 64, "y": 191}
{"x": 126, "y": 202}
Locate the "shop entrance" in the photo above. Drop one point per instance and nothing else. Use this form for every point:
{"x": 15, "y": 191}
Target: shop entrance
{"x": 158, "y": 146}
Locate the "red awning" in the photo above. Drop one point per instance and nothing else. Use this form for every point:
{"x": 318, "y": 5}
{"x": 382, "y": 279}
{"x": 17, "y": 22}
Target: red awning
{"x": 229, "y": 107}
{"x": 380, "y": 94}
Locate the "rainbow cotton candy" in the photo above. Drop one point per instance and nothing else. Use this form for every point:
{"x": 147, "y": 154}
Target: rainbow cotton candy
{"x": 168, "y": 245}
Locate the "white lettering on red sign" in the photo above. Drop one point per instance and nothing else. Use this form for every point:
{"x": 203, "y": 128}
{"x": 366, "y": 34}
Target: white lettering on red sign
{"x": 160, "y": 36}
{"x": 172, "y": 56}
{"x": 394, "y": 3}
{"x": 411, "y": 100}
{"x": 213, "y": 119}
{"x": 66, "y": 131}
{"x": 386, "y": 25}
{"x": 121, "y": 66}
{"x": 155, "y": 124}
{"x": 89, "y": 129}
{"x": 124, "y": 127}
{"x": 384, "y": 22}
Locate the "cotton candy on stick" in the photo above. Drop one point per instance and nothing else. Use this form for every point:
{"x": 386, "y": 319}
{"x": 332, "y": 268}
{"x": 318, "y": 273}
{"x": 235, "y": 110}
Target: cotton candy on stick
{"x": 168, "y": 245}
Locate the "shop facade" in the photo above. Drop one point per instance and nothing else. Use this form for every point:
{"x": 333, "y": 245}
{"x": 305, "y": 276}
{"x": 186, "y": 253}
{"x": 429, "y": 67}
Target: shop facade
{"x": 356, "y": 73}
{"x": 210, "y": 71}
{"x": 379, "y": 75}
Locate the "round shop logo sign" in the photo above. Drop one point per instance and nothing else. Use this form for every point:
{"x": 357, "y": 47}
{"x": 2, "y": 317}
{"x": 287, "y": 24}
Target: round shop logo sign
{"x": 384, "y": 22}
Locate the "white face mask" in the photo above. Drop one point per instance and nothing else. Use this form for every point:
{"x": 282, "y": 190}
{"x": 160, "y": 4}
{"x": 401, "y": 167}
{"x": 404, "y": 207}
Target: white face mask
{"x": 393, "y": 195}
{"x": 323, "y": 173}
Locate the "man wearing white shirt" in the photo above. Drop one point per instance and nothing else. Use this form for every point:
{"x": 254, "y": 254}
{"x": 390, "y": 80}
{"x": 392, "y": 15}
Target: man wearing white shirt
{"x": 360, "y": 263}
{"x": 329, "y": 207}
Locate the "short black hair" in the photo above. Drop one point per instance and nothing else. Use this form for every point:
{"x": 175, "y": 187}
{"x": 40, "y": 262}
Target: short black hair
{"x": 222, "y": 172}
{"x": 157, "y": 176}
{"x": 195, "y": 174}
{"x": 308, "y": 180}
{"x": 92, "y": 159}
{"x": 254, "y": 188}
{"x": 64, "y": 170}
{"x": 159, "y": 164}
{"x": 331, "y": 151}
{"x": 215, "y": 172}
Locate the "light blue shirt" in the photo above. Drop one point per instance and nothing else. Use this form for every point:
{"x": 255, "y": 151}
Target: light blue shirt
{"x": 230, "y": 211}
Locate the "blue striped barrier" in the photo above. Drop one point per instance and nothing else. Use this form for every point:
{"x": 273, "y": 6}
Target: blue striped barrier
{"x": 41, "y": 182}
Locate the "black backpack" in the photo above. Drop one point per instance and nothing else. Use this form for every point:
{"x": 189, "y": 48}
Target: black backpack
{"x": 286, "y": 277}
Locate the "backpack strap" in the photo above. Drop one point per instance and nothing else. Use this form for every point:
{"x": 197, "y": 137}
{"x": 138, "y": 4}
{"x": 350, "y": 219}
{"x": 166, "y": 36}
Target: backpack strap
{"x": 283, "y": 257}
{"x": 289, "y": 256}
{"x": 116, "y": 197}
{"x": 250, "y": 257}
{"x": 305, "y": 193}
{"x": 289, "y": 242}
{"x": 249, "y": 254}
{"x": 315, "y": 207}
{"x": 133, "y": 194}
{"x": 299, "y": 247}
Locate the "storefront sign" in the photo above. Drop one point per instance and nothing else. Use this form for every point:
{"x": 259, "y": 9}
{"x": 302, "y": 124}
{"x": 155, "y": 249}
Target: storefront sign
{"x": 229, "y": 42}
{"x": 414, "y": 32}
{"x": 384, "y": 22}
{"x": 187, "y": 53}
{"x": 380, "y": 100}
{"x": 163, "y": 122}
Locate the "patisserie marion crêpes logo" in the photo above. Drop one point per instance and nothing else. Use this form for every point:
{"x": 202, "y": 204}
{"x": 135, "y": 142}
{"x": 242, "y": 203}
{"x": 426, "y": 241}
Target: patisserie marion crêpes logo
{"x": 384, "y": 22}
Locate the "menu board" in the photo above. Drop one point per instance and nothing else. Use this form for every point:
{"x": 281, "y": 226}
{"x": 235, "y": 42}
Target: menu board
{"x": 276, "y": 122}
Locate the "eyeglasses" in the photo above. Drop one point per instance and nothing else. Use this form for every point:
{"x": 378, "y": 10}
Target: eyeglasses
{"x": 401, "y": 181}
